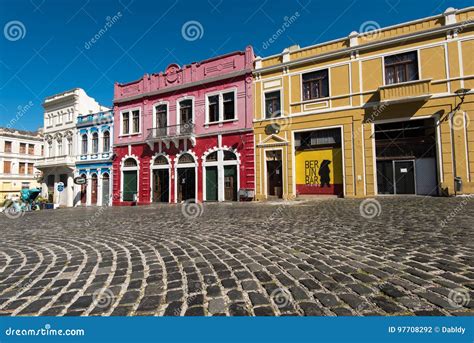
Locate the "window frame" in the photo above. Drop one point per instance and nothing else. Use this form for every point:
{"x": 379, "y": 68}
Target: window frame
{"x": 416, "y": 53}
{"x": 130, "y": 121}
{"x": 106, "y": 147}
{"x": 264, "y": 103}
{"x": 95, "y": 142}
{"x": 328, "y": 71}
{"x": 155, "y": 112}
{"x": 9, "y": 164}
{"x": 178, "y": 110}
{"x": 69, "y": 146}
{"x": 86, "y": 141}
{"x": 10, "y": 146}
{"x": 59, "y": 144}
{"x": 22, "y": 168}
{"x": 24, "y": 150}
{"x": 220, "y": 104}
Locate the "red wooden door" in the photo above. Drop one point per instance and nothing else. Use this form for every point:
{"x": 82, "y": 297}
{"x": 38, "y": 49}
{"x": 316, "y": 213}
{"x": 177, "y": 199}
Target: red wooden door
{"x": 94, "y": 184}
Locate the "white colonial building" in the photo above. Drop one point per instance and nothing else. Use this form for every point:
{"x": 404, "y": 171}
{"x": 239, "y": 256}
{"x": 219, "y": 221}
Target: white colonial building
{"x": 19, "y": 151}
{"x": 60, "y": 143}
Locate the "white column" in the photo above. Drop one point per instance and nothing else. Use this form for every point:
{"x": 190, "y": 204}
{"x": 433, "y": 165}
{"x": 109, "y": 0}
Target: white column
{"x": 220, "y": 176}
{"x": 70, "y": 190}
{"x": 56, "y": 198}
{"x": 99, "y": 188}
{"x": 89, "y": 190}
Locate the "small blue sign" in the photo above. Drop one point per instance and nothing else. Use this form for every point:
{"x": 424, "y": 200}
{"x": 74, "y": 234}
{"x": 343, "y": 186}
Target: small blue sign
{"x": 60, "y": 186}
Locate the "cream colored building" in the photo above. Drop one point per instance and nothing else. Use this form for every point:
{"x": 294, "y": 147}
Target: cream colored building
{"x": 390, "y": 111}
{"x": 60, "y": 141}
{"x": 19, "y": 151}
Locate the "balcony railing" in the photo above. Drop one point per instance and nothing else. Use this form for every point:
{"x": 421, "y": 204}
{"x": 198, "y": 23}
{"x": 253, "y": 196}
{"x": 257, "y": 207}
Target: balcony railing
{"x": 406, "y": 91}
{"x": 172, "y": 131}
{"x": 55, "y": 160}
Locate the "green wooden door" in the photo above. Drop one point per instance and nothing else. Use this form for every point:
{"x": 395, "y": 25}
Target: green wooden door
{"x": 129, "y": 185}
{"x": 211, "y": 184}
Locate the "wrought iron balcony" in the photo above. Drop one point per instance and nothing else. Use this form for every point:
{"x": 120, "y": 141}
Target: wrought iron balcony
{"x": 170, "y": 133}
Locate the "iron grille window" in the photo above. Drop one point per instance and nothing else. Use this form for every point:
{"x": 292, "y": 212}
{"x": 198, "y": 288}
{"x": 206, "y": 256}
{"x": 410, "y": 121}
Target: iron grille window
{"x": 316, "y": 85}
{"x": 401, "y": 68}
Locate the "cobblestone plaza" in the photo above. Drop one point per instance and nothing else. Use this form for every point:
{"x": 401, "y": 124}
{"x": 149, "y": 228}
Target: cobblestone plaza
{"x": 392, "y": 256}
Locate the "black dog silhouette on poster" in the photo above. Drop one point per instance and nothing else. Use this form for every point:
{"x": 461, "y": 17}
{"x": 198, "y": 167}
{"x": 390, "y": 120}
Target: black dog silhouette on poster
{"x": 325, "y": 173}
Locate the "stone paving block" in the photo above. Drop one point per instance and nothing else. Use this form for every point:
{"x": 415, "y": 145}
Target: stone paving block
{"x": 242, "y": 261}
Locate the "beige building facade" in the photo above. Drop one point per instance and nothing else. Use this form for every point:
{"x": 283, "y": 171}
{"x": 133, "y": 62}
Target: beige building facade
{"x": 19, "y": 151}
{"x": 389, "y": 111}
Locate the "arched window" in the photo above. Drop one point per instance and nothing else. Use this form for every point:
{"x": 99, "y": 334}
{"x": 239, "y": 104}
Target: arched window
{"x": 95, "y": 143}
{"x": 212, "y": 157}
{"x": 106, "y": 141}
{"x": 69, "y": 146}
{"x": 160, "y": 160}
{"x": 130, "y": 162}
{"x": 60, "y": 146}
{"x": 186, "y": 158}
{"x": 229, "y": 156}
{"x": 84, "y": 144}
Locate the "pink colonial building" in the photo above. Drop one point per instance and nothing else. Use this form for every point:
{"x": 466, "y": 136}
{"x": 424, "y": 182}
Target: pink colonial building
{"x": 186, "y": 133}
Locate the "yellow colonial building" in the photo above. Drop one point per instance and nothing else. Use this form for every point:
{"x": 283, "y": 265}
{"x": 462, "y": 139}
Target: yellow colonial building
{"x": 389, "y": 111}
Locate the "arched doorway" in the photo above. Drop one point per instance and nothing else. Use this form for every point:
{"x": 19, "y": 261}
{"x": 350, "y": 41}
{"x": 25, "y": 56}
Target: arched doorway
{"x": 160, "y": 179}
{"x": 105, "y": 189}
{"x": 130, "y": 180}
{"x": 94, "y": 189}
{"x": 84, "y": 191}
{"x": 221, "y": 176}
{"x": 186, "y": 178}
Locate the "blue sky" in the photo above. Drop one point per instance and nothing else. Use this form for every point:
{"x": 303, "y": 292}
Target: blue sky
{"x": 51, "y": 50}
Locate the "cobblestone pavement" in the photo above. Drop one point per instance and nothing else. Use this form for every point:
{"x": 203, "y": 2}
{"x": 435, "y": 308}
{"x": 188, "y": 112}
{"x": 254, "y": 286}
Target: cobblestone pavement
{"x": 414, "y": 257}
